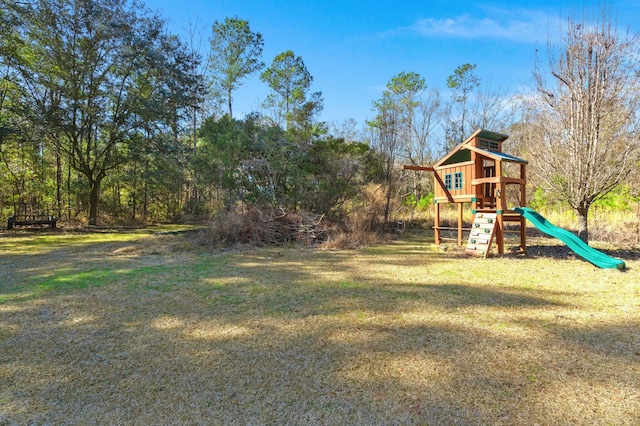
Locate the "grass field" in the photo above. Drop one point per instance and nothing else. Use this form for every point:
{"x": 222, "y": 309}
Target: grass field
{"x": 147, "y": 327}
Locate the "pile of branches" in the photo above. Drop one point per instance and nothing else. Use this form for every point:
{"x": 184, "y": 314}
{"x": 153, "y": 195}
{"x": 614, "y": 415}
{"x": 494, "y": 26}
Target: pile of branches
{"x": 264, "y": 226}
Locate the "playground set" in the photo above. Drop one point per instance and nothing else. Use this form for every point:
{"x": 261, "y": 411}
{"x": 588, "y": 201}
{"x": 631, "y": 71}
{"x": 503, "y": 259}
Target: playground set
{"x": 476, "y": 172}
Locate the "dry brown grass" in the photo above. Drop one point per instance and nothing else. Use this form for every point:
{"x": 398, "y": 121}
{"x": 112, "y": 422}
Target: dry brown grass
{"x": 149, "y": 329}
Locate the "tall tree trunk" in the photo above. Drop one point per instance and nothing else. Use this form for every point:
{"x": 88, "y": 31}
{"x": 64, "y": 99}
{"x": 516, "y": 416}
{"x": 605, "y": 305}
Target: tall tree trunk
{"x": 118, "y": 194}
{"x": 58, "y": 180}
{"x": 69, "y": 190}
{"x": 145, "y": 194}
{"x": 195, "y": 146}
{"x": 134, "y": 190}
{"x": 583, "y": 225}
{"x": 387, "y": 205}
{"x": 94, "y": 197}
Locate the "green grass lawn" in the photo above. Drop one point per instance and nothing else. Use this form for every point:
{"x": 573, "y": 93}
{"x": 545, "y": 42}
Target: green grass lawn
{"x": 150, "y": 328}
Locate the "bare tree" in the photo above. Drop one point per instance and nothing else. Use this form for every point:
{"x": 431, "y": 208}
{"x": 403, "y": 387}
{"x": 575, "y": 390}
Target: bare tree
{"x": 492, "y": 109}
{"x": 385, "y": 138}
{"x": 586, "y": 137}
{"x": 345, "y": 129}
{"x": 421, "y": 147}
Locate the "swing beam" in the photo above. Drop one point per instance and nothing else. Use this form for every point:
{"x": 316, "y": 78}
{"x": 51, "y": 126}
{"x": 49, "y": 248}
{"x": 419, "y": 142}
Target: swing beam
{"x": 419, "y": 168}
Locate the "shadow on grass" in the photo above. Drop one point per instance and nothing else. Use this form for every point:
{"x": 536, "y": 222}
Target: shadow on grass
{"x": 555, "y": 250}
{"x": 334, "y": 355}
{"x": 616, "y": 341}
{"x": 562, "y": 252}
{"x": 300, "y": 337}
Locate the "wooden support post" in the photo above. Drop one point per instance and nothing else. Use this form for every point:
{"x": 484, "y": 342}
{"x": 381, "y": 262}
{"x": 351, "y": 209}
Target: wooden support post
{"x": 437, "y": 224}
{"x": 500, "y": 233}
{"x": 459, "y": 224}
{"x": 501, "y": 205}
{"x": 523, "y": 187}
{"x": 523, "y": 234}
{"x": 523, "y": 201}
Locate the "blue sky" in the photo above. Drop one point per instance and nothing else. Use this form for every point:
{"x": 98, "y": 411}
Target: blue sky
{"x": 353, "y": 48}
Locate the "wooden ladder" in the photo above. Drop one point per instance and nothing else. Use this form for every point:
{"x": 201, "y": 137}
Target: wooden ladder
{"x": 481, "y": 235}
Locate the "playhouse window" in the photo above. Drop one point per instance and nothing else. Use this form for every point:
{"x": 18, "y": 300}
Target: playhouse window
{"x": 490, "y": 145}
{"x": 458, "y": 180}
{"x": 447, "y": 181}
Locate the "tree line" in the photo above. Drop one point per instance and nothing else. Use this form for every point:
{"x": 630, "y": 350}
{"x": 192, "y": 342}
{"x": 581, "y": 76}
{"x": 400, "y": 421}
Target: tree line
{"x": 105, "y": 114}
{"x": 99, "y": 105}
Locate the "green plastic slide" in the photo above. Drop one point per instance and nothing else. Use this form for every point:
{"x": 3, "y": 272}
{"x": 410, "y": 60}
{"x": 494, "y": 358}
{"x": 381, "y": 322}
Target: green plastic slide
{"x": 572, "y": 241}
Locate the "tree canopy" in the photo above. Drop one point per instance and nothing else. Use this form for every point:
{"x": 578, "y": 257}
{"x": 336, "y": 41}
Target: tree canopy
{"x": 235, "y": 54}
{"x": 290, "y": 81}
{"x": 95, "y": 78}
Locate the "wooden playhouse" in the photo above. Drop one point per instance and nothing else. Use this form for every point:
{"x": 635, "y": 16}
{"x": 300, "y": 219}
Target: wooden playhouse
{"x": 476, "y": 173}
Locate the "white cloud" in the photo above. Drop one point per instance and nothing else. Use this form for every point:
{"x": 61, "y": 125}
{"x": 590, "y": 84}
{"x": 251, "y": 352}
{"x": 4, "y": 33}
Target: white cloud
{"x": 520, "y": 26}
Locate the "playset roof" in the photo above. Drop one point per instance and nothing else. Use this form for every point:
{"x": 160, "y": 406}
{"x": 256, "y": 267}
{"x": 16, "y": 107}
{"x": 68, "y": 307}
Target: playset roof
{"x": 498, "y": 156}
{"x": 466, "y": 145}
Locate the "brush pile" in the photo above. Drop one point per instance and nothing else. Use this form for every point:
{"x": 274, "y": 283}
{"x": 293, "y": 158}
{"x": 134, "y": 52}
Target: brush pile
{"x": 265, "y": 226}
